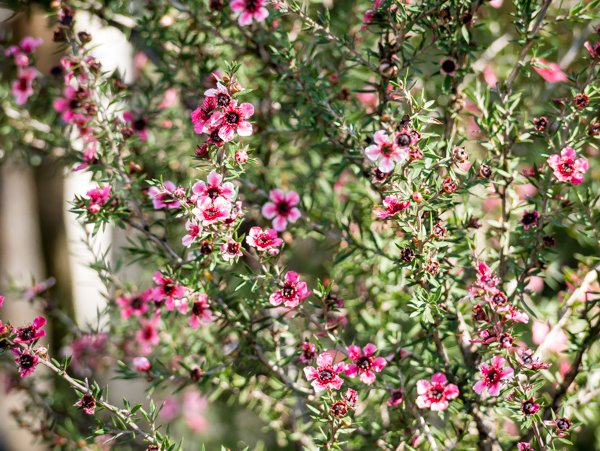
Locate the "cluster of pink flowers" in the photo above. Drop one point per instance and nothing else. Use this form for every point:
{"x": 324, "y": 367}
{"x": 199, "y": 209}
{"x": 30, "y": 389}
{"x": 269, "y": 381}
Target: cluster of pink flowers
{"x": 22, "y": 87}
{"x": 391, "y": 149}
{"x": 98, "y": 197}
{"x": 567, "y": 167}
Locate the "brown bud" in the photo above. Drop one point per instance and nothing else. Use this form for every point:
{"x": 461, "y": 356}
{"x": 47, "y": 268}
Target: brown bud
{"x": 388, "y": 69}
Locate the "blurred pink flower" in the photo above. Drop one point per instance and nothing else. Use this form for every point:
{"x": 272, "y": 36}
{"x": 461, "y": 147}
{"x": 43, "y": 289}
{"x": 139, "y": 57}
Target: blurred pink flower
{"x": 551, "y": 72}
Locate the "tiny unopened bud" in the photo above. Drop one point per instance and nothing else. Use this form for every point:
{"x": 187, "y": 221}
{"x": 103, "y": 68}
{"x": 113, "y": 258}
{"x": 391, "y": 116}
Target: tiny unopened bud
{"x": 388, "y": 69}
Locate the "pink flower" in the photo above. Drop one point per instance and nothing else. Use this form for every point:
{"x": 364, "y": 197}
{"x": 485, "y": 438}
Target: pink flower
{"x": 233, "y": 119}
{"x": 200, "y": 312}
{"x": 249, "y": 10}
{"x": 1, "y": 301}
{"x": 87, "y": 403}
{"x": 308, "y": 352}
{"x": 524, "y": 446}
{"x": 147, "y": 337}
{"x": 194, "y": 229}
{"x": 363, "y": 363}
{"x": 136, "y": 304}
{"x": 34, "y": 331}
{"x": 551, "y": 72}
{"x": 26, "y": 360}
{"x": 201, "y": 115}
{"x": 231, "y": 250}
{"x": 164, "y": 197}
{"x": 29, "y": 44}
{"x": 325, "y": 376}
{"x": 194, "y": 408}
{"x": 529, "y": 407}
{"x": 220, "y": 94}
{"x": 167, "y": 290}
{"x": 141, "y": 364}
{"x": 210, "y": 212}
{"x": 22, "y": 87}
{"x": 527, "y": 360}
{"x": 435, "y": 395}
{"x": 138, "y": 123}
{"x": 351, "y": 397}
{"x": 530, "y": 219}
{"x": 593, "y": 49}
{"x": 213, "y": 188}
{"x": 516, "y": 315}
{"x": 396, "y": 397}
{"x": 264, "y": 240}
{"x": 282, "y": 208}
{"x": 385, "y": 151}
{"x": 98, "y": 197}
{"x": 493, "y": 375}
{"x": 393, "y": 206}
{"x": 291, "y": 293}
{"x": 566, "y": 167}
{"x": 562, "y": 425}
{"x": 556, "y": 340}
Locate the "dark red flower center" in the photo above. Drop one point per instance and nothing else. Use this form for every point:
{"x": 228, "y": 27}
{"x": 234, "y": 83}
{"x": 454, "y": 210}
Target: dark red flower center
{"x": 251, "y": 6}
{"x": 232, "y": 118}
{"x": 449, "y": 66}
{"x": 436, "y": 393}
{"x": 529, "y": 218}
{"x": 339, "y": 409}
{"x": 213, "y": 192}
{"x": 567, "y": 167}
{"x": 223, "y": 99}
{"x": 27, "y": 333}
{"x": 263, "y": 240}
{"x": 326, "y": 375}
{"x": 214, "y": 137}
{"x": 233, "y": 248}
{"x": 139, "y": 124}
{"x": 197, "y": 308}
{"x": 493, "y": 376}
{"x": 364, "y": 363}
{"x": 499, "y": 299}
{"x": 403, "y": 139}
{"x": 136, "y": 303}
{"x": 26, "y": 361}
{"x": 528, "y": 407}
{"x": 283, "y": 208}
{"x": 169, "y": 287}
{"x": 288, "y": 291}
{"x": 563, "y": 424}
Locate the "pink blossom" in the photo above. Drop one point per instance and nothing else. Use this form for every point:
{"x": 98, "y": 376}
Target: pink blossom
{"x": 493, "y": 376}
{"x": 385, "y": 151}
{"x": 551, "y": 72}
{"x": 26, "y": 360}
{"x": 32, "y": 332}
{"x": 434, "y": 395}
{"x": 201, "y": 115}
{"x": 555, "y": 340}
{"x": 138, "y": 123}
{"x": 164, "y": 197}
{"x": 147, "y": 337}
{"x": 233, "y": 119}
{"x": 200, "y": 312}
{"x": 363, "y": 363}
{"x": 231, "y": 250}
{"x": 167, "y": 290}
{"x": 524, "y": 446}
{"x": 396, "y": 397}
{"x": 135, "y": 304}
{"x": 22, "y": 87}
{"x": 393, "y": 206}
{"x": 282, "y": 208}
{"x": 568, "y": 168}
{"x": 291, "y": 293}
{"x": 308, "y": 352}
{"x": 264, "y": 240}
{"x": 87, "y": 403}
{"x": 1, "y": 301}
{"x": 249, "y": 10}
{"x": 212, "y": 211}
{"x": 29, "y": 44}
{"x": 213, "y": 188}
{"x": 220, "y": 94}
{"x": 516, "y": 315}
{"x": 194, "y": 408}
{"x": 593, "y": 49}
{"x": 325, "y": 375}
{"x": 193, "y": 230}
{"x": 98, "y": 197}
{"x": 241, "y": 156}
{"x": 169, "y": 99}
{"x": 141, "y": 364}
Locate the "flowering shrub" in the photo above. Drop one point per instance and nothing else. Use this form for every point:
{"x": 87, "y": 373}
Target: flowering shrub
{"x": 371, "y": 233}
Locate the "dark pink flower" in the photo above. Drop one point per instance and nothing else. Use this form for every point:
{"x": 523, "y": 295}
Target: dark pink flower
{"x": 34, "y": 331}
{"x": 213, "y": 188}
{"x": 26, "y": 360}
{"x": 493, "y": 376}
{"x": 231, "y": 250}
{"x": 291, "y": 293}
{"x": 138, "y": 123}
{"x": 529, "y": 407}
{"x": 527, "y": 359}
{"x": 141, "y": 364}
{"x": 87, "y": 403}
{"x": 524, "y": 446}
{"x": 249, "y": 10}
{"x": 167, "y": 290}
{"x": 351, "y": 397}
{"x": 147, "y": 337}
{"x": 363, "y": 363}
{"x": 201, "y": 115}
{"x": 200, "y": 312}
{"x": 211, "y": 211}
{"x": 308, "y": 352}
{"x": 282, "y": 208}
{"x": 264, "y": 240}
{"x": 448, "y": 66}
{"x": 568, "y": 168}
{"x": 136, "y": 304}
{"x": 29, "y": 44}
{"x": 516, "y": 315}
{"x": 220, "y": 94}
{"x": 98, "y": 197}
{"x": 165, "y": 196}
{"x": 396, "y": 397}
{"x": 551, "y": 72}
{"x": 385, "y": 151}
{"x": 233, "y": 119}
{"x": 393, "y": 206}
{"x": 193, "y": 230}
{"x": 530, "y": 219}
{"x": 434, "y": 395}
{"x": 22, "y": 87}
{"x": 1, "y": 301}
{"x": 325, "y": 376}
{"x": 562, "y": 425}
{"x": 593, "y": 49}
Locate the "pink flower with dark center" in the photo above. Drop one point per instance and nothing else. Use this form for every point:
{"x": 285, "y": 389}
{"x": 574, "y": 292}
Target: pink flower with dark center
{"x": 138, "y": 123}
{"x": 141, "y": 364}
{"x": 435, "y": 395}
{"x": 567, "y": 167}
{"x": 22, "y": 87}
{"x": 164, "y": 197}
{"x": 530, "y": 219}
{"x": 231, "y": 250}
{"x": 249, "y": 10}
{"x": 32, "y": 332}
{"x": 213, "y": 188}
{"x": 26, "y": 360}
{"x": 264, "y": 240}
{"x": 385, "y": 151}
{"x": 529, "y": 407}
{"x": 516, "y": 315}
{"x": 448, "y": 66}
{"x": 167, "y": 290}
{"x": 200, "y": 312}
{"x": 220, "y": 94}
{"x": 524, "y": 446}
{"x": 136, "y": 304}
{"x": 527, "y": 359}
{"x": 308, "y": 352}
{"x": 282, "y": 208}
{"x": 325, "y": 375}
{"x": 212, "y": 211}
{"x": 393, "y": 206}
{"x": 562, "y": 425}
{"x": 396, "y": 397}
{"x": 497, "y": 300}
{"x": 193, "y": 230}
{"x": 291, "y": 293}
{"x": 201, "y": 115}
{"x": 87, "y": 404}
{"x": 493, "y": 376}
{"x": 593, "y": 49}
{"x": 233, "y": 119}
{"x": 551, "y": 72}
{"x": 363, "y": 363}
{"x": 147, "y": 337}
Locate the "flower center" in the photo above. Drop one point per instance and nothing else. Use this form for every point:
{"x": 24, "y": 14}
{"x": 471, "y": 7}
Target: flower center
{"x": 387, "y": 149}
{"x": 197, "y": 308}
{"x": 528, "y": 408}
{"x": 251, "y": 6}
{"x": 364, "y": 363}
{"x": 213, "y": 192}
{"x": 325, "y": 375}
{"x": 283, "y": 208}
{"x": 223, "y": 99}
{"x": 168, "y": 288}
{"x": 26, "y": 361}
{"x": 493, "y": 376}
{"x": 136, "y": 303}
{"x": 567, "y": 168}
{"x": 448, "y": 66}
{"x": 139, "y": 124}
{"x": 403, "y": 140}
{"x": 232, "y": 118}
{"x": 27, "y": 333}
{"x": 436, "y": 393}
{"x": 563, "y": 424}
{"x": 288, "y": 291}
{"x": 529, "y": 218}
